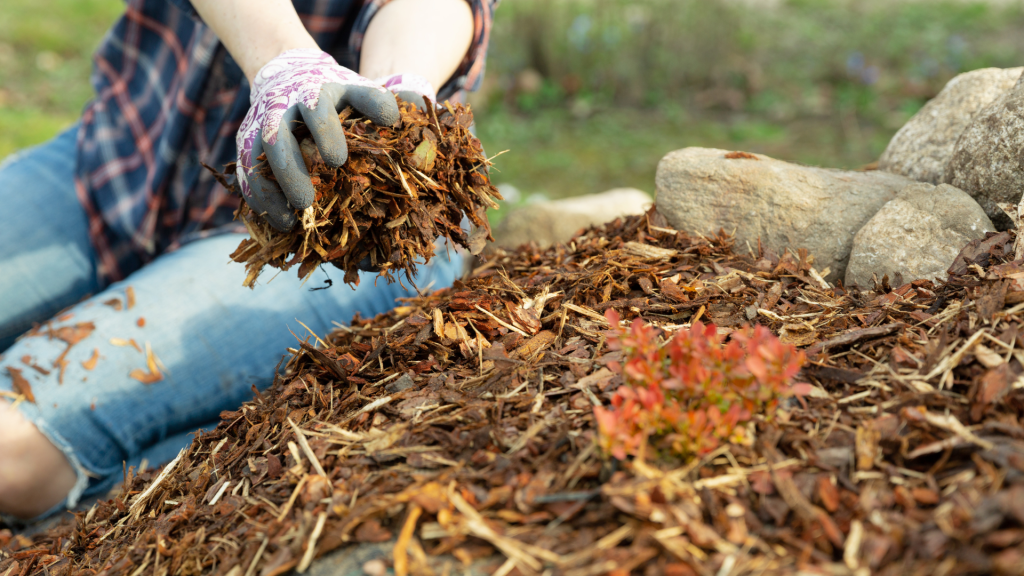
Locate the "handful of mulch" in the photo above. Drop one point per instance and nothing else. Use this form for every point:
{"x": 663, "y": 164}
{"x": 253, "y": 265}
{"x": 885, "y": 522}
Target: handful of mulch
{"x": 402, "y": 188}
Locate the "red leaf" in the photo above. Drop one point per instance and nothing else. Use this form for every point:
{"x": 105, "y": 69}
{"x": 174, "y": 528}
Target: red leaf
{"x": 695, "y": 391}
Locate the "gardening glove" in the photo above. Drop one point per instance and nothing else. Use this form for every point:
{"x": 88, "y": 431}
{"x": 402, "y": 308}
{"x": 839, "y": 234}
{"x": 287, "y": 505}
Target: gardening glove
{"x": 410, "y": 88}
{"x": 308, "y": 86}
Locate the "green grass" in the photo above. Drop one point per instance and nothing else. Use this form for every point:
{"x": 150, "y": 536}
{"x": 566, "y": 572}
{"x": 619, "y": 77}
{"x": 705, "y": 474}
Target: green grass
{"x": 45, "y": 61}
{"x": 867, "y": 53}
{"x": 24, "y": 127}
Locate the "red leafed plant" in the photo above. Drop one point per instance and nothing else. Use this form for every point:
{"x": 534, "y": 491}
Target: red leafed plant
{"x": 692, "y": 393}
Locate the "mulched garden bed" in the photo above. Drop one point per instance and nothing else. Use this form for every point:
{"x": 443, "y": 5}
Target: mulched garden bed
{"x": 462, "y": 423}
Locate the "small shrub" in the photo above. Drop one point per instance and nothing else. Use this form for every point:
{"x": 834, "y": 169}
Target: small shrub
{"x": 690, "y": 394}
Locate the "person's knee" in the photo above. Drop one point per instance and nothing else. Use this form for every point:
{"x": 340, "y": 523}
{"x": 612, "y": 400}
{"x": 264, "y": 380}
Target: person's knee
{"x": 34, "y": 474}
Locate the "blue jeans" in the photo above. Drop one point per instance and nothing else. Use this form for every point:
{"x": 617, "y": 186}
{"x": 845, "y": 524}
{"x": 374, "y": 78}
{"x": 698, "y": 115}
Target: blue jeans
{"x": 215, "y": 338}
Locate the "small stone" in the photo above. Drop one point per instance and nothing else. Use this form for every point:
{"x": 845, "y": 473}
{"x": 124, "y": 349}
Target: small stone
{"x": 735, "y": 510}
{"x": 835, "y": 457}
{"x": 404, "y": 382}
{"x": 375, "y": 568}
{"x": 923, "y": 147}
{"x": 986, "y": 162}
{"x": 553, "y": 221}
{"x": 917, "y": 235}
{"x": 784, "y": 205}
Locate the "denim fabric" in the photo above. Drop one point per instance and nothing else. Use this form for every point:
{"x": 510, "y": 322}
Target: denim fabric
{"x": 47, "y": 262}
{"x": 214, "y": 338}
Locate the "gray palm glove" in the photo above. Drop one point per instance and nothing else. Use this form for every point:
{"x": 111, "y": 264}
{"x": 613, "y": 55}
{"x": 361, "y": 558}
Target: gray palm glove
{"x": 310, "y": 86}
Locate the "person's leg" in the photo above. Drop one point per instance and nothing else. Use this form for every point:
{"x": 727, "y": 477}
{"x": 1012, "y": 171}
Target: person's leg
{"x": 216, "y": 339}
{"x": 47, "y": 262}
{"x": 29, "y": 466}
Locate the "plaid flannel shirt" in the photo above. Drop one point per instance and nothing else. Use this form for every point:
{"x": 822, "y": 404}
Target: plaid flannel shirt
{"x": 169, "y": 98}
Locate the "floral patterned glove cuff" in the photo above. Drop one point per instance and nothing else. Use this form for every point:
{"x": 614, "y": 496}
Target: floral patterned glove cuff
{"x": 409, "y": 84}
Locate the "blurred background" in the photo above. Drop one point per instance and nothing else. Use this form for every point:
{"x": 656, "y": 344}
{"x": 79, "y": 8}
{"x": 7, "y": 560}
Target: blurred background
{"x": 588, "y": 95}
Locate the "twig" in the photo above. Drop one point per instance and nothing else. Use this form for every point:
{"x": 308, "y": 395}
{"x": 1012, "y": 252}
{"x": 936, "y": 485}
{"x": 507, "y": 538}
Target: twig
{"x": 400, "y": 552}
{"x": 220, "y": 492}
{"x": 140, "y": 500}
{"x": 291, "y": 500}
{"x": 502, "y": 322}
{"x": 256, "y": 558}
{"x": 307, "y": 558}
{"x": 307, "y": 450}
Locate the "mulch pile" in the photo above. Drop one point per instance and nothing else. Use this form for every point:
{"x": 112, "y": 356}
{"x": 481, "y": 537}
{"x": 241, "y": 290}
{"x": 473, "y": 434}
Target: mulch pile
{"x": 401, "y": 188}
{"x": 461, "y": 424}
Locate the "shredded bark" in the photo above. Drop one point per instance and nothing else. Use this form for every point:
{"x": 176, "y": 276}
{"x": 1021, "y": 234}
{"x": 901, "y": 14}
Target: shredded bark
{"x": 460, "y": 425}
{"x": 400, "y": 189}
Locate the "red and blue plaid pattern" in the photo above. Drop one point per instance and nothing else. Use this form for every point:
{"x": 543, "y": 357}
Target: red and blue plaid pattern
{"x": 169, "y": 98}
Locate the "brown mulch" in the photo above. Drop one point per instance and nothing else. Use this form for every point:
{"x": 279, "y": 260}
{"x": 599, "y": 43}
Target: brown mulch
{"x": 461, "y": 423}
{"x": 401, "y": 188}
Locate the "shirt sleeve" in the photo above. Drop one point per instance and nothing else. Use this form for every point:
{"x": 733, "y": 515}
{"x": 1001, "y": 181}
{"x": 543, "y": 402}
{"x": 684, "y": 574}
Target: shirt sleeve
{"x": 186, "y": 7}
{"x": 470, "y": 71}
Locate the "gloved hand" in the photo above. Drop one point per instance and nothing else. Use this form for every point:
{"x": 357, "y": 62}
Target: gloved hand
{"x": 306, "y": 85}
{"x": 410, "y": 88}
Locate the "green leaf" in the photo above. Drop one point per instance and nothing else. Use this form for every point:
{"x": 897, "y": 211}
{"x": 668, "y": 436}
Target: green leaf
{"x": 424, "y": 155}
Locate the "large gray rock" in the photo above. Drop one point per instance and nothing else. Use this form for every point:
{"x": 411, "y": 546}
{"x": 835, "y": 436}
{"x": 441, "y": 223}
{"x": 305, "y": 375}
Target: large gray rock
{"x": 555, "y": 221}
{"x": 922, "y": 148}
{"x": 785, "y": 205}
{"x": 988, "y": 162}
{"x": 918, "y": 235}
